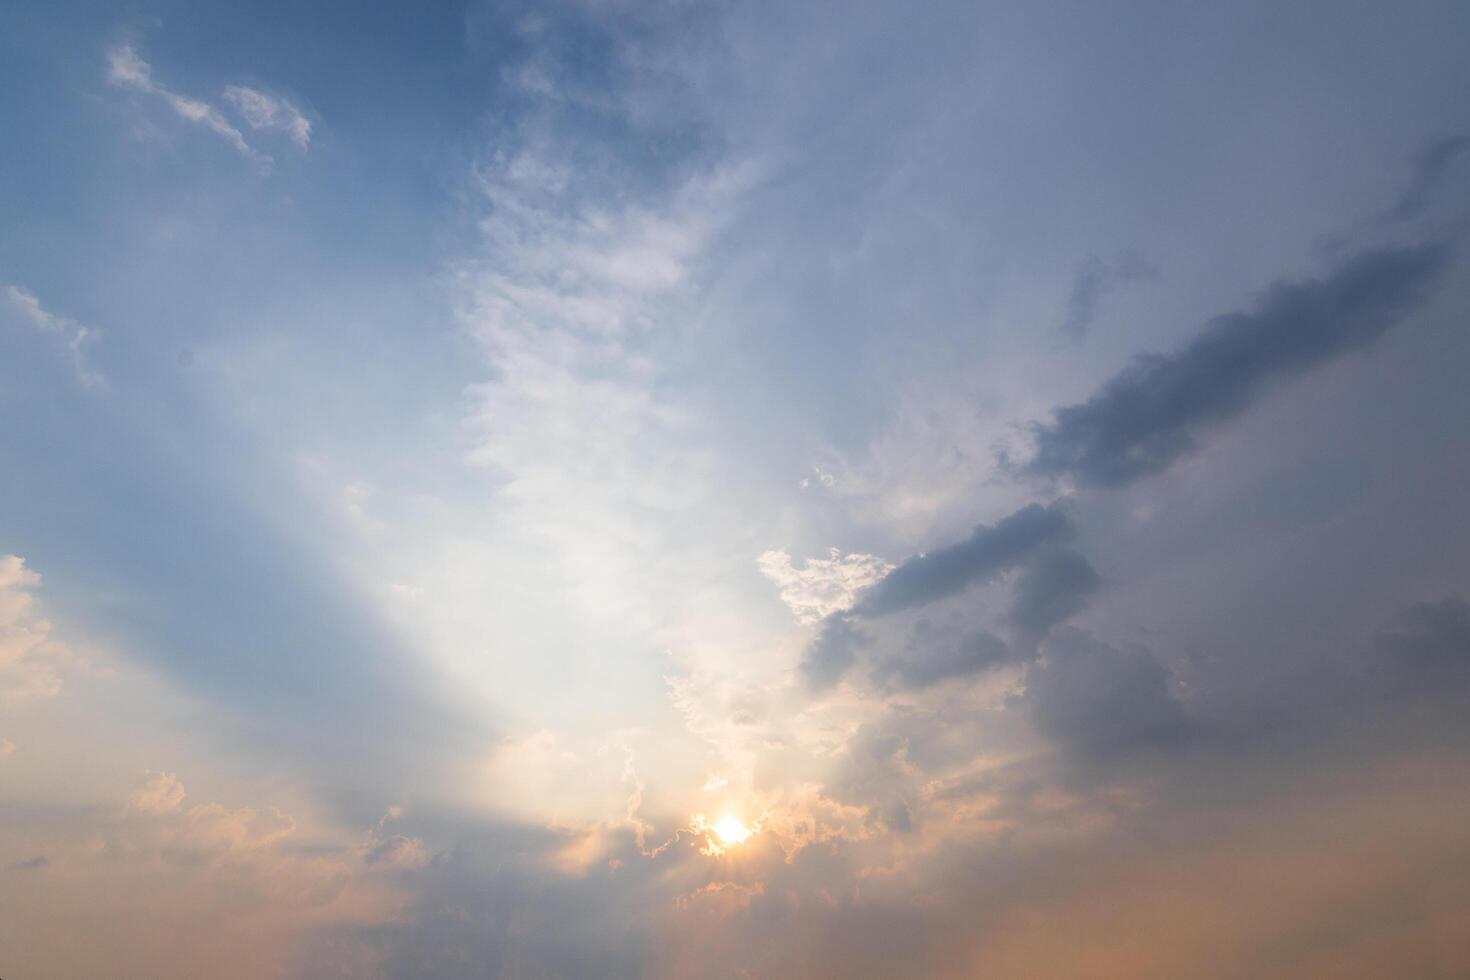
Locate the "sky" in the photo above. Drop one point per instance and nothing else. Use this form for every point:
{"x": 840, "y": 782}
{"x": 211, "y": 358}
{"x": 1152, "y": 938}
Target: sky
{"x": 705, "y": 490}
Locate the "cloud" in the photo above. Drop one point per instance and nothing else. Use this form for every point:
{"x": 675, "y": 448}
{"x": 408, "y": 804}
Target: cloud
{"x": 1099, "y": 701}
{"x": 1152, "y": 413}
{"x": 1094, "y": 280}
{"x": 1428, "y": 644}
{"x": 990, "y": 550}
{"x": 76, "y": 336}
{"x": 32, "y": 664}
{"x": 822, "y": 586}
{"x": 1432, "y": 166}
{"x": 934, "y": 655}
{"x": 987, "y": 552}
{"x": 178, "y": 890}
{"x": 264, "y": 111}
{"x": 834, "y": 650}
{"x": 873, "y": 772}
{"x": 1053, "y": 587}
{"x": 389, "y": 850}
{"x": 161, "y": 793}
{"x": 127, "y": 69}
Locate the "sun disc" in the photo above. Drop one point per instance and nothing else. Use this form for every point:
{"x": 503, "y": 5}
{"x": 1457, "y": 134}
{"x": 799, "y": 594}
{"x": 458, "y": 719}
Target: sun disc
{"x": 731, "y": 830}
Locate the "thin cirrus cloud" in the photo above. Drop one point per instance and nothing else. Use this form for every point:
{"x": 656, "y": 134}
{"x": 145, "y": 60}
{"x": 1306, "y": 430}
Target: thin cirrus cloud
{"x": 261, "y": 111}
{"x": 78, "y": 338}
{"x": 264, "y": 111}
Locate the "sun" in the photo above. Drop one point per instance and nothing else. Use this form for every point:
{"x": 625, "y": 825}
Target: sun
{"x": 731, "y": 830}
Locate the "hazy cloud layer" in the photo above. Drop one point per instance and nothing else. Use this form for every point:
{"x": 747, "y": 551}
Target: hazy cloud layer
{"x": 582, "y": 514}
{"x": 932, "y": 656}
{"x": 1097, "y": 700}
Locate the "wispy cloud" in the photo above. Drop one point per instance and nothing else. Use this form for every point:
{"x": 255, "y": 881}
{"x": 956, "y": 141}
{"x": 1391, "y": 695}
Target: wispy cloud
{"x": 76, "y": 336}
{"x": 260, "y": 110}
{"x": 127, "y": 69}
{"x": 264, "y": 111}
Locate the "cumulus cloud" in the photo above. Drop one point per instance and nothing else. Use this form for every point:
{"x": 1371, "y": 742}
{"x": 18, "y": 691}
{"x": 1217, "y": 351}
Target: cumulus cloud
{"x": 385, "y": 849}
{"x": 76, "y": 337}
{"x": 989, "y": 550}
{"x": 1152, "y": 413}
{"x": 160, "y": 793}
{"x": 264, "y": 111}
{"x": 32, "y": 664}
{"x": 822, "y": 586}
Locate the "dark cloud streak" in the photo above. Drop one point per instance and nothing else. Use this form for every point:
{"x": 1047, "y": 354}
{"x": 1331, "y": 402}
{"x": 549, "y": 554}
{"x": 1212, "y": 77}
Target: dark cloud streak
{"x": 988, "y": 551}
{"x": 1150, "y": 415}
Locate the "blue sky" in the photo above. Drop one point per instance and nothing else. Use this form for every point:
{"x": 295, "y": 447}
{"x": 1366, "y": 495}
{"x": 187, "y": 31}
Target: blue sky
{"x": 458, "y": 456}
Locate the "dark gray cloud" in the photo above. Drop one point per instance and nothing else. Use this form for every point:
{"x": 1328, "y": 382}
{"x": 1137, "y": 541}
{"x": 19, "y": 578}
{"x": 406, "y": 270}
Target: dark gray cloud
{"x": 1100, "y": 701}
{"x": 1151, "y": 414}
{"x": 1094, "y": 280}
{"x": 1432, "y": 165}
{"x": 1428, "y": 643}
{"x": 832, "y": 652}
{"x": 989, "y": 550}
{"x": 1052, "y": 588}
{"x": 933, "y": 655}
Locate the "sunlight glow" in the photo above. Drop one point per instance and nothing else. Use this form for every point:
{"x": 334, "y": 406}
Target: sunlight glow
{"x": 731, "y": 830}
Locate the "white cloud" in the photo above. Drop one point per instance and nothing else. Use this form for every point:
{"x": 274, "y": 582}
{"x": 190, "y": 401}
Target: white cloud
{"x": 822, "y": 586}
{"x": 160, "y": 793}
{"x": 76, "y": 336}
{"x": 264, "y": 111}
{"x": 31, "y": 663}
{"x": 127, "y": 69}
{"x": 572, "y": 304}
{"x": 259, "y": 109}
